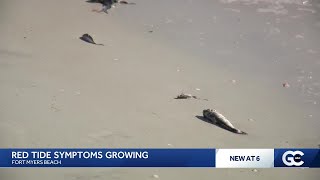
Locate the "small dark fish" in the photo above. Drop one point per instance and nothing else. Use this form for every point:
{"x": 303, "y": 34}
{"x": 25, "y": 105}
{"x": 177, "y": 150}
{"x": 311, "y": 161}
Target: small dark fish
{"x": 87, "y": 38}
{"x": 188, "y": 96}
{"x": 106, "y": 4}
{"x": 185, "y": 96}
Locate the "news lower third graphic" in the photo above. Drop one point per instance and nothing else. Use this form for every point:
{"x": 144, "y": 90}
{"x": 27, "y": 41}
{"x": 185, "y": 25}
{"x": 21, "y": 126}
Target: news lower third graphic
{"x": 244, "y": 158}
{"x": 205, "y": 158}
{"x": 107, "y": 157}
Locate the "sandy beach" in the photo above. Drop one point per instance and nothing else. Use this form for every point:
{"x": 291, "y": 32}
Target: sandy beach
{"x": 59, "y": 91}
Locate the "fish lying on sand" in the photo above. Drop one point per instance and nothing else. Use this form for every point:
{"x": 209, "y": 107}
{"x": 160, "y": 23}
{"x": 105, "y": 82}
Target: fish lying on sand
{"x": 188, "y": 96}
{"x": 87, "y": 38}
{"x": 108, "y": 4}
{"x": 216, "y": 118}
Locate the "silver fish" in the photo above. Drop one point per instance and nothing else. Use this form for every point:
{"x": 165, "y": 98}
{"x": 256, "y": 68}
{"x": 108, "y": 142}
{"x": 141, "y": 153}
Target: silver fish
{"x": 216, "y": 118}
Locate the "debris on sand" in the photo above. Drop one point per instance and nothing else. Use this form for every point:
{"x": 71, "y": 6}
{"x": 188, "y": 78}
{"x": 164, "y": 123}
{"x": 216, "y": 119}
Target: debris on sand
{"x": 53, "y": 104}
{"x": 87, "y": 38}
{"x": 188, "y": 96}
{"x": 251, "y": 120}
{"x": 185, "y": 96}
{"x": 286, "y": 85}
{"x": 77, "y": 93}
{"x": 299, "y": 36}
{"x": 155, "y": 176}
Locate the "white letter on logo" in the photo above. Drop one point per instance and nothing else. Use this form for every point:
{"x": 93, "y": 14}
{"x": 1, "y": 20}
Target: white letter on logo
{"x": 291, "y": 161}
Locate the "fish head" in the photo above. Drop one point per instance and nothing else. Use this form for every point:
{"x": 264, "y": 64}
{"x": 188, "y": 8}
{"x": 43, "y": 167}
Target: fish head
{"x": 206, "y": 111}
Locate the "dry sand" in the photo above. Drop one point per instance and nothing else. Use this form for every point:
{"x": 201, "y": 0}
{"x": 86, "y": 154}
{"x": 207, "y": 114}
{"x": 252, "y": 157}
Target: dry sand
{"x": 57, "y": 91}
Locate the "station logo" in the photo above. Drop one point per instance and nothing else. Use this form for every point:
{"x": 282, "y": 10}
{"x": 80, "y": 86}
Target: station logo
{"x": 292, "y": 158}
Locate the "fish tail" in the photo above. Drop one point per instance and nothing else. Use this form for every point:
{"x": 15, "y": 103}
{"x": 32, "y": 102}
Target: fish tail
{"x": 242, "y": 132}
{"x": 238, "y": 131}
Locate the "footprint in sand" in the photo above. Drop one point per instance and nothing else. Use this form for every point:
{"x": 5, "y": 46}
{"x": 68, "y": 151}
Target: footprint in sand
{"x": 107, "y": 135}
{"x": 101, "y": 135}
{"x": 104, "y": 174}
{"x": 53, "y": 106}
{"x": 85, "y": 176}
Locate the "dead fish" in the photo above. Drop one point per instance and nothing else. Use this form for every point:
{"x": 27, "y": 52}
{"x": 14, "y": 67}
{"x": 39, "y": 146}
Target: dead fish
{"x": 185, "y": 96}
{"x": 103, "y": 2}
{"x": 87, "y": 38}
{"x": 106, "y": 4}
{"x": 216, "y": 118}
{"x": 188, "y": 96}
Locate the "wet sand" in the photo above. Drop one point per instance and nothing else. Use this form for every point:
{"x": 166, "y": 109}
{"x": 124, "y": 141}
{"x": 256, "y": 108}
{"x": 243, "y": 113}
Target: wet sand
{"x": 58, "y": 91}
